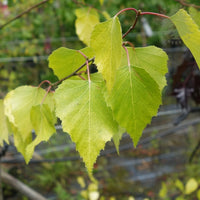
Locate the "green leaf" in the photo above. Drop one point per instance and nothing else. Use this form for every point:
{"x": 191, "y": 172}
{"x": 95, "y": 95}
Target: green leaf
{"x": 180, "y": 198}
{"x": 21, "y": 142}
{"x": 188, "y": 31}
{"x": 106, "y": 15}
{"x": 179, "y": 185}
{"x": 18, "y": 104}
{"x": 87, "y": 18}
{"x": 106, "y": 40}
{"x": 195, "y": 14}
{"x": 198, "y": 194}
{"x": 85, "y": 116}
{"x": 4, "y": 130}
{"x": 134, "y": 100}
{"x": 163, "y": 191}
{"x": 117, "y": 137}
{"x": 152, "y": 59}
{"x": 191, "y": 186}
{"x": 101, "y": 2}
{"x": 65, "y": 61}
{"x": 43, "y": 120}
{"x": 81, "y": 181}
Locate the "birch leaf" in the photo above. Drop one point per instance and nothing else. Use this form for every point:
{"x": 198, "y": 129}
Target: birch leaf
{"x": 106, "y": 41}
{"x": 65, "y": 61}
{"x": 188, "y": 31}
{"x": 134, "y": 100}
{"x": 4, "y": 130}
{"x": 85, "y": 116}
{"x": 87, "y": 18}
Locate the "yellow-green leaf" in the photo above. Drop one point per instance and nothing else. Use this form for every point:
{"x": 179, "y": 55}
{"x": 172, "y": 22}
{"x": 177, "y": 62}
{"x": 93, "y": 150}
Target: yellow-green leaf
{"x": 4, "y": 130}
{"x": 163, "y": 191}
{"x": 198, "y": 194}
{"x": 106, "y": 40}
{"x": 117, "y": 137}
{"x": 43, "y": 120}
{"x": 20, "y": 142}
{"x": 191, "y": 186}
{"x": 87, "y": 18}
{"x": 106, "y": 15}
{"x": 195, "y": 14}
{"x": 81, "y": 181}
{"x": 179, "y": 185}
{"x": 65, "y": 61}
{"x": 18, "y": 104}
{"x": 101, "y": 2}
{"x": 180, "y": 198}
{"x": 188, "y": 31}
{"x": 152, "y": 59}
{"x": 85, "y": 116}
{"x": 134, "y": 100}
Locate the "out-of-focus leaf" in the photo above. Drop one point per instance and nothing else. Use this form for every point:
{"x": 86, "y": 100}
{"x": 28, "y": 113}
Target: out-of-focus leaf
{"x": 191, "y": 186}
{"x": 87, "y": 18}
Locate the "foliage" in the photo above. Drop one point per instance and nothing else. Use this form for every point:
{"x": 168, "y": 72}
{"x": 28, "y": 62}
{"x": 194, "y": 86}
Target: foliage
{"x": 177, "y": 188}
{"x": 189, "y": 32}
{"x": 3, "y": 126}
{"x": 124, "y": 94}
{"x": 91, "y": 191}
{"x": 52, "y": 25}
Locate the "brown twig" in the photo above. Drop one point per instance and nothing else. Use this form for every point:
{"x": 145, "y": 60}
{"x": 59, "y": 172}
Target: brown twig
{"x": 45, "y": 81}
{"x": 155, "y": 14}
{"x": 133, "y": 26}
{"x": 79, "y": 75}
{"x": 21, "y": 187}
{"x": 126, "y": 9}
{"x": 47, "y": 92}
{"x": 87, "y": 63}
{"x": 129, "y": 43}
{"x": 138, "y": 13}
{"x": 72, "y": 74}
{"x": 23, "y": 13}
{"x": 182, "y": 2}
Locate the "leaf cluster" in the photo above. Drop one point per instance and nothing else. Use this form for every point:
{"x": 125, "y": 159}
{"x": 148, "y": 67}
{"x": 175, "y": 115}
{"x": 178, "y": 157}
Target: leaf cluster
{"x": 122, "y": 96}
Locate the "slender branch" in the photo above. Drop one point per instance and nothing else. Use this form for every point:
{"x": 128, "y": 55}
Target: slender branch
{"x": 79, "y": 75}
{"x": 21, "y": 187}
{"x": 197, "y": 147}
{"x": 23, "y": 13}
{"x": 129, "y": 43}
{"x": 45, "y": 81}
{"x": 72, "y": 74}
{"x": 155, "y": 14}
{"x": 138, "y": 13}
{"x": 87, "y": 63}
{"x": 133, "y": 26}
{"x": 126, "y": 9}
{"x": 82, "y": 54}
{"x": 48, "y": 90}
{"x": 182, "y": 2}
